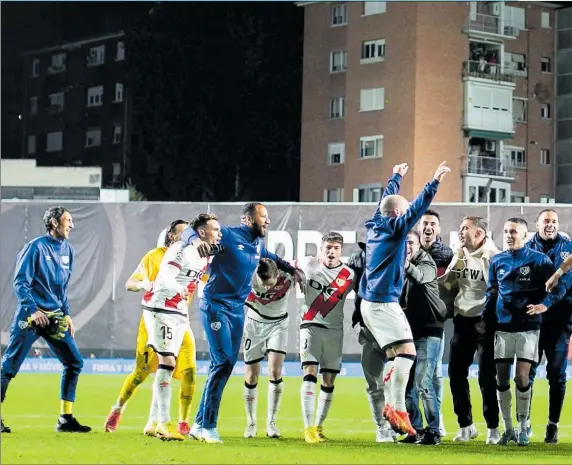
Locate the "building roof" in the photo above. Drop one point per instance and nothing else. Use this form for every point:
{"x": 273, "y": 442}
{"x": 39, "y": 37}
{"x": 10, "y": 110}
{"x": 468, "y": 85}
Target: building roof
{"x": 73, "y": 45}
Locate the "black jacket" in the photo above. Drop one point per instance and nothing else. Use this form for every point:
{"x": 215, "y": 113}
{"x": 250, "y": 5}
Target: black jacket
{"x": 441, "y": 255}
{"x": 420, "y": 300}
{"x": 357, "y": 263}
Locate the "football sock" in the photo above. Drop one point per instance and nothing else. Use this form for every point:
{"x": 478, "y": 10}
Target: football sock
{"x": 505, "y": 405}
{"x": 376, "y": 404}
{"x": 402, "y": 365}
{"x": 162, "y": 392}
{"x": 275, "y": 390}
{"x": 522, "y": 405}
{"x": 186, "y": 393}
{"x": 324, "y": 403}
{"x": 308, "y": 395}
{"x": 388, "y": 370}
{"x": 250, "y": 401}
{"x": 129, "y": 386}
{"x": 66, "y": 407}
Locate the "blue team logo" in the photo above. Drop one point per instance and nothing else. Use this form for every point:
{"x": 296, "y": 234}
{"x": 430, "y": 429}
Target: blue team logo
{"x": 23, "y": 324}
{"x": 524, "y": 270}
{"x": 215, "y": 325}
{"x": 564, "y": 255}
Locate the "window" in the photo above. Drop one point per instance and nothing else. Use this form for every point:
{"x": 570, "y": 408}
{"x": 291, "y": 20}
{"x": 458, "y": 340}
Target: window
{"x": 35, "y": 67}
{"x": 54, "y": 141}
{"x": 516, "y": 156}
{"x": 57, "y": 102}
{"x": 515, "y": 17}
{"x": 371, "y": 147}
{"x": 368, "y": 192}
{"x": 545, "y": 19}
{"x": 515, "y": 63}
{"x": 545, "y": 199}
{"x": 31, "y": 145}
{"x": 545, "y": 65}
{"x": 118, "y": 92}
{"x": 93, "y": 137}
{"x": 372, "y": 50}
{"x": 519, "y": 110}
{"x": 517, "y": 197}
{"x": 338, "y": 61}
{"x": 333, "y": 195}
{"x": 545, "y": 157}
{"x": 120, "y": 52}
{"x": 33, "y": 105}
{"x": 96, "y": 56}
{"x": 371, "y": 99}
{"x": 116, "y": 172}
{"x": 340, "y": 15}
{"x": 336, "y": 153}
{"x": 95, "y": 96}
{"x": 545, "y": 111}
{"x": 57, "y": 63}
{"x": 374, "y": 8}
{"x": 117, "y": 134}
{"x": 337, "y": 107}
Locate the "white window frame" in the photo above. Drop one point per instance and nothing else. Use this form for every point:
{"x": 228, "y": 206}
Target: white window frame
{"x": 374, "y": 8}
{"x": 343, "y": 66}
{"x": 339, "y": 192}
{"x": 511, "y": 65}
{"x": 514, "y": 195}
{"x": 545, "y": 111}
{"x": 33, "y": 106}
{"x": 93, "y": 137}
{"x": 117, "y": 133}
{"x": 369, "y": 192}
{"x": 337, "y": 108}
{"x": 96, "y": 56}
{"x": 545, "y": 19}
{"x": 339, "y": 15}
{"x": 56, "y": 102}
{"x": 511, "y": 155}
{"x": 336, "y": 149}
{"x": 524, "y": 112}
{"x": 54, "y": 141}
{"x": 57, "y": 63}
{"x": 35, "y": 67}
{"x": 378, "y": 140}
{"x": 547, "y": 60}
{"x": 118, "y": 92}
{"x": 372, "y": 51}
{"x": 120, "y": 51}
{"x": 31, "y": 145}
{"x": 372, "y": 99}
{"x": 545, "y": 157}
{"x": 94, "y": 96}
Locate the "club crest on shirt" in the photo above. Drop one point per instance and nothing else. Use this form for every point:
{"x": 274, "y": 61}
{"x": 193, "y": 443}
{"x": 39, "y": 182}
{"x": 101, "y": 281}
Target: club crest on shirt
{"x": 564, "y": 255}
{"x": 65, "y": 260}
{"x": 340, "y": 281}
{"x": 524, "y": 270}
{"x": 215, "y": 325}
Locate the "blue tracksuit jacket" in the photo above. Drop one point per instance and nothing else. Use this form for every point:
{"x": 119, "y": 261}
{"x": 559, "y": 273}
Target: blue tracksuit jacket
{"x": 518, "y": 278}
{"x": 43, "y": 271}
{"x": 560, "y": 315}
{"x": 382, "y": 280}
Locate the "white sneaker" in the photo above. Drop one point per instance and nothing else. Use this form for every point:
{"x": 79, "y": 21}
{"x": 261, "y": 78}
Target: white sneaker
{"x": 211, "y": 436}
{"x": 196, "y": 432}
{"x": 493, "y": 436}
{"x": 466, "y": 434}
{"x": 272, "y": 431}
{"x": 384, "y": 434}
{"x": 442, "y": 430}
{"x": 250, "y": 431}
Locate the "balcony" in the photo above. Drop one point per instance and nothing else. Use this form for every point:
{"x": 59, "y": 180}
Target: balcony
{"x": 490, "y": 26}
{"x": 487, "y": 166}
{"x": 492, "y": 72}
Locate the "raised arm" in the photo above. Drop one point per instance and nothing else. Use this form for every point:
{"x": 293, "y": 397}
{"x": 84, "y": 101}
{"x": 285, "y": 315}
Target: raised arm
{"x": 170, "y": 268}
{"x": 393, "y": 185}
{"x": 282, "y": 264}
{"x": 565, "y": 267}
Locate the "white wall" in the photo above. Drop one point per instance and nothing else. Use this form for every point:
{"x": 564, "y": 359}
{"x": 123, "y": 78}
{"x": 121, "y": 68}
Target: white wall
{"x": 25, "y": 173}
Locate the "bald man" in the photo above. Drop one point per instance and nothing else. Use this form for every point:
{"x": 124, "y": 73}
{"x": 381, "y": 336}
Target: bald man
{"x": 382, "y": 284}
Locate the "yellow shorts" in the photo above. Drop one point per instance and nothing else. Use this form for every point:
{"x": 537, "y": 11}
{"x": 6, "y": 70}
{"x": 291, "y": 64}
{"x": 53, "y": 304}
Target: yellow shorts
{"x": 146, "y": 359}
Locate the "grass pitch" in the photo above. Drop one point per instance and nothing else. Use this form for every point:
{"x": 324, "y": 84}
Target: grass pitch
{"x": 31, "y": 409}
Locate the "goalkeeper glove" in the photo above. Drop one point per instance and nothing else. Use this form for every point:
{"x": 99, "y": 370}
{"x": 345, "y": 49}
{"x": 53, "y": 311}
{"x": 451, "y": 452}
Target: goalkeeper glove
{"x": 57, "y": 327}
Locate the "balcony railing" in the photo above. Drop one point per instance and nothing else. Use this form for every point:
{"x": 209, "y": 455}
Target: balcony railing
{"x": 485, "y": 70}
{"x": 488, "y": 166}
{"x": 491, "y": 25}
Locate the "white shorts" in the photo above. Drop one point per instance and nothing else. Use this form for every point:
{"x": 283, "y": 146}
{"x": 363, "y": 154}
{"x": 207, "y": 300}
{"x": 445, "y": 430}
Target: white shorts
{"x": 321, "y": 346}
{"x": 522, "y": 345}
{"x": 260, "y": 338}
{"x": 165, "y": 331}
{"x": 387, "y": 322}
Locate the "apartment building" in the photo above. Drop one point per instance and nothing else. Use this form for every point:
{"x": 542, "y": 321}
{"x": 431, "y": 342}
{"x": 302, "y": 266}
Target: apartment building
{"x": 472, "y": 83}
{"x": 75, "y": 110}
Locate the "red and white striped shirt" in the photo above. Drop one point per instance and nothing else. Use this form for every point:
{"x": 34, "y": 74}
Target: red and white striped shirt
{"x": 182, "y": 267}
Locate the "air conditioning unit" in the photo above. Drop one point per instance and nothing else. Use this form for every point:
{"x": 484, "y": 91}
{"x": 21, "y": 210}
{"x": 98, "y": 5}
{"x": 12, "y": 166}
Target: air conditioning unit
{"x": 490, "y": 146}
{"x": 494, "y": 8}
{"x": 510, "y": 31}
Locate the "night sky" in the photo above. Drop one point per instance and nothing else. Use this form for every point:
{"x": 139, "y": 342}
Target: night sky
{"x": 216, "y": 86}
